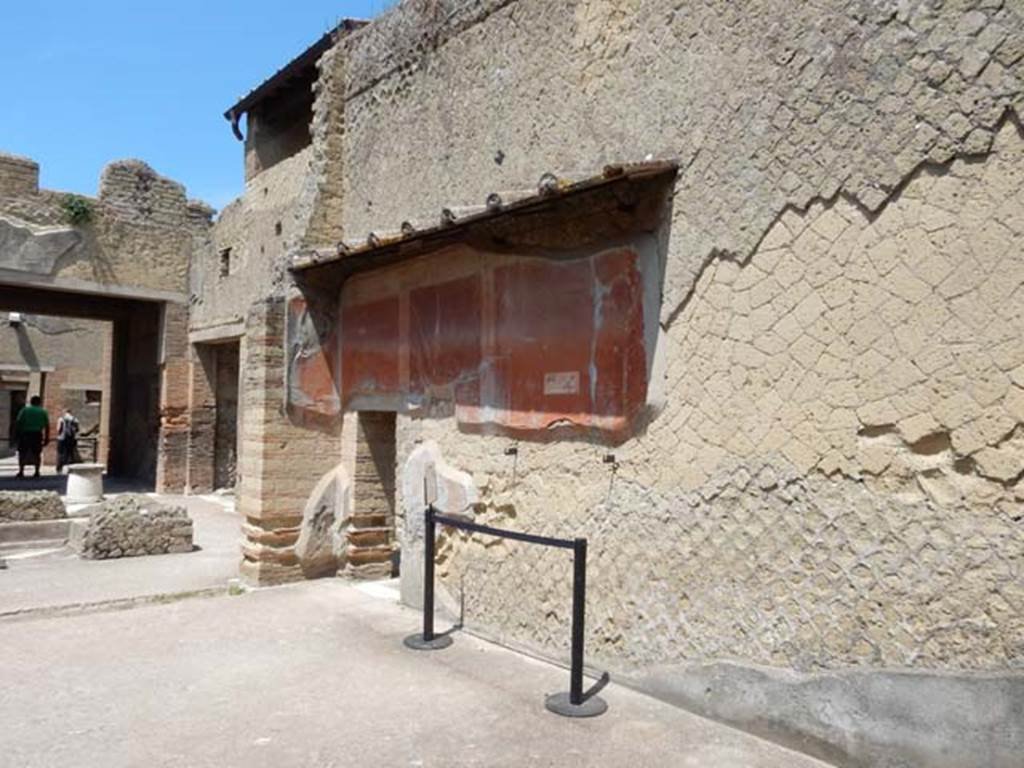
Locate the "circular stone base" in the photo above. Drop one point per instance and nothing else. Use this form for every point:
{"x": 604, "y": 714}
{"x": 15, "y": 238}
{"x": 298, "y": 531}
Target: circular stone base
{"x": 85, "y": 483}
{"x": 559, "y": 704}
{"x": 417, "y": 643}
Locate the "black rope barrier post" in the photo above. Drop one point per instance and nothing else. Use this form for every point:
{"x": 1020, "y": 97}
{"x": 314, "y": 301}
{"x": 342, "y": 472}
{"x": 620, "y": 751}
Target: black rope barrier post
{"x": 427, "y": 640}
{"x": 573, "y": 703}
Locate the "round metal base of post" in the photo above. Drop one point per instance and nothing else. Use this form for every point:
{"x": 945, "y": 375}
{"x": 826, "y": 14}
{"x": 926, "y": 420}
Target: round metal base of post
{"x": 417, "y": 643}
{"x": 560, "y": 704}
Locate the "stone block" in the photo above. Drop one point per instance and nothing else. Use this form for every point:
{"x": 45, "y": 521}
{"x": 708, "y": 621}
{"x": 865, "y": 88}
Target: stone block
{"x": 23, "y": 506}
{"x": 321, "y": 545}
{"x": 134, "y": 525}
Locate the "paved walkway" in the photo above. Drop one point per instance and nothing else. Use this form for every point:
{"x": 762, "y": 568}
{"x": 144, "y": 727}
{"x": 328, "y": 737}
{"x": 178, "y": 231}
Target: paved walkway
{"x": 55, "y": 579}
{"x": 314, "y": 675}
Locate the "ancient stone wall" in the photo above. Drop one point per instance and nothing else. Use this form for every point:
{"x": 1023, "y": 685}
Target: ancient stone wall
{"x": 280, "y": 460}
{"x": 18, "y": 176}
{"x": 838, "y": 476}
{"x": 202, "y": 407}
{"x": 837, "y": 118}
{"x": 139, "y": 232}
{"x": 296, "y": 202}
{"x": 767, "y": 105}
{"x": 324, "y": 186}
{"x": 40, "y": 340}
{"x": 239, "y": 282}
{"x": 250, "y": 240}
{"x": 131, "y": 242}
{"x": 371, "y": 534}
{"x": 835, "y": 478}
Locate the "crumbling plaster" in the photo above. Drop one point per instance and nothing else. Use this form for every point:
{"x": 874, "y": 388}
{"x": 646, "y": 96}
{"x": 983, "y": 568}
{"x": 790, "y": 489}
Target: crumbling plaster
{"x": 768, "y": 105}
{"x": 836, "y": 478}
{"x": 140, "y": 233}
{"x": 260, "y": 228}
{"x": 839, "y": 301}
{"x": 295, "y": 203}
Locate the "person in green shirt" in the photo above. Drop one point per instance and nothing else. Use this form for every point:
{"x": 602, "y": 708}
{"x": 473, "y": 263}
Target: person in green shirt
{"x": 32, "y": 431}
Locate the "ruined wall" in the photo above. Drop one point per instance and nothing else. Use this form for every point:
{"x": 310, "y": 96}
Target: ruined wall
{"x": 766, "y": 104}
{"x": 770, "y": 110}
{"x": 134, "y": 241}
{"x": 139, "y": 233}
{"x": 837, "y": 476}
{"x": 18, "y": 175}
{"x": 281, "y": 458}
{"x": 40, "y": 340}
{"x": 284, "y": 208}
{"x": 835, "y": 479}
{"x": 294, "y": 203}
{"x": 259, "y": 228}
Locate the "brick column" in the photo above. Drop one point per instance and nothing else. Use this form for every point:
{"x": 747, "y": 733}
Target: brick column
{"x": 202, "y": 418}
{"x": 280, "y": 462}
{"x": 371, "y": 531}
{"x": 172, "y": 452}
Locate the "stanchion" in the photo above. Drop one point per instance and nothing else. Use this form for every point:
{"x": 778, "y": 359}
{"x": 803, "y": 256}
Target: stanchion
{"x": 427, "y": 640}
{"x": 575, "y": 702}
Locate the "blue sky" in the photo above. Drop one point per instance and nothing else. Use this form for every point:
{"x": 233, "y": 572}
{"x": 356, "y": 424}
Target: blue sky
{"x": 85, "y": 82}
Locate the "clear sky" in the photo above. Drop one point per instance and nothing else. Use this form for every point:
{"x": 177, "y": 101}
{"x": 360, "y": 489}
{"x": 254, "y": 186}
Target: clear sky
{"x": 84, "y": 82}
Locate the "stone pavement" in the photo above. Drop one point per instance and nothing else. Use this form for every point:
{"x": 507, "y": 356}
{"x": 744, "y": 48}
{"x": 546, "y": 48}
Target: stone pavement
{"x": 315, "y": 675}
{"x": 58, "y": 580}
{"x": 49, "y": 480}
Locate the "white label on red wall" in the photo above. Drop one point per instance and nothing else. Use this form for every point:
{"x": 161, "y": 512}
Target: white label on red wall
{"x": 565, "y": 383}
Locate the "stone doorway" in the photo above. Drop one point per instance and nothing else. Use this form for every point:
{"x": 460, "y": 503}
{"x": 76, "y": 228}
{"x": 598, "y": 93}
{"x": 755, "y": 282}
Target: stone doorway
{"x": 215, "y": 416}
{"x": 225, "y": 440}
{"x": 112, "y": 377}
{"x": 372, "y": 550}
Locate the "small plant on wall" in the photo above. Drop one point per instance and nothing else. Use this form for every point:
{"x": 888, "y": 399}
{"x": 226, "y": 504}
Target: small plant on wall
{"x": 77, "y": 209}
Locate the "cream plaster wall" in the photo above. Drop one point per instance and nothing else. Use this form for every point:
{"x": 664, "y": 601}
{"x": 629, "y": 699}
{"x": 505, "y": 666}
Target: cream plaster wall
{"x": 838, "y": 475}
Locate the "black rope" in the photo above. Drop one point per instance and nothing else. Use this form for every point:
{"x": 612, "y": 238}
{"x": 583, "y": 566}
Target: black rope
{"x": 466, "y": 525}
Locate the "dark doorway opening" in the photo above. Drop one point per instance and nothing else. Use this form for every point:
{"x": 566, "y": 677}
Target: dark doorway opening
{"x": 226, "y": 431}
{"x": 134, "y": 370}
{"x": 373, "y": 552}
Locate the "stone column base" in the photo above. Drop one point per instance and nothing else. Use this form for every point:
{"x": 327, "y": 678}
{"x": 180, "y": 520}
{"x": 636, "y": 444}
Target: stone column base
{"x": 265, "y": 574}
{"x": 268, "y": 552}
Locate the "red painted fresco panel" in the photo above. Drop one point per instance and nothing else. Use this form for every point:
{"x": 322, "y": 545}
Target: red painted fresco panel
{"x": 543, "y": 340}
{"x": 312, "y": 364}
{"x": 569, "y": 342}
{"x": 370, "y": 348}
{"x": 619, "y": 352}
{"x": 520, "y": 343}
{"x": 445, "y": 328}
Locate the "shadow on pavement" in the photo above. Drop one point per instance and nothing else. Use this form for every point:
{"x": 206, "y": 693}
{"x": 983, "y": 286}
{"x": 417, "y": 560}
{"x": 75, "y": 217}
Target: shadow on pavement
{"x": 51, "y": 481}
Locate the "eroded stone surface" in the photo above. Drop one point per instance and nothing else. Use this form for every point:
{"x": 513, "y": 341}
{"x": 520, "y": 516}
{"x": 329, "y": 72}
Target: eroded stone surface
{"x": 427, "y": 477}
{"x": 133, "y": 525}
{"x": 836, "y": 478}
{"x": 34, "y": 249}
{"x": 24, "y": 506}
{"x": 322, "y": 543}
{"x": 767, "y": 104}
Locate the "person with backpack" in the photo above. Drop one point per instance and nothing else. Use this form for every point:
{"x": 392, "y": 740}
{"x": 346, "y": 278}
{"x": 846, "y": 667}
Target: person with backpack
{"x": 67, "y": 440}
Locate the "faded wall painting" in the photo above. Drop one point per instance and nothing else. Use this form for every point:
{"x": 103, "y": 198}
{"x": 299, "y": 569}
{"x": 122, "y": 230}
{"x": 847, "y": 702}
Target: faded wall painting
{"x": 521, "y": 345}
